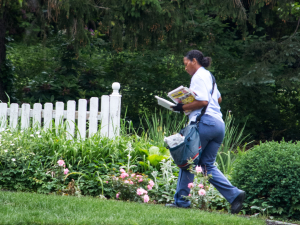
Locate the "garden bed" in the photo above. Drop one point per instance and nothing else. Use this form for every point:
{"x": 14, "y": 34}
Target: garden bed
{"x": 138, "y": 169}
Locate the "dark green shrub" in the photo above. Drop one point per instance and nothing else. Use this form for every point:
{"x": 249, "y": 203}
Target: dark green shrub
{"x": 270, "y": 173}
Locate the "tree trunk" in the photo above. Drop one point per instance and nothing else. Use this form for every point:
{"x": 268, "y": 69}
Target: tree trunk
{"x": 3, "y": 23}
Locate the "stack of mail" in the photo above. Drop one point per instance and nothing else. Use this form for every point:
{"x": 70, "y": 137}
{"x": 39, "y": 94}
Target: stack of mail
{"x": 174, "y": 140}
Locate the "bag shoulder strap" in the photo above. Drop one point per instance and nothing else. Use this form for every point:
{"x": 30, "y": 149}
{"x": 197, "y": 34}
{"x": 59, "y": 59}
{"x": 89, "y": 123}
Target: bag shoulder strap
{"x": 204, "y": 108}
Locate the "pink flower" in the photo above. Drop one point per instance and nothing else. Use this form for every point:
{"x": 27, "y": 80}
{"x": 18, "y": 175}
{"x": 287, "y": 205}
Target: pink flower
{"x": 123, "y": 175}
{"x": 122, "y": 171}
{"x": 106, "y": 181}
{"x": 126, "y": 182}
{"x": 146, "y": 198}
{"x": 141, "y": 191}
{"x": 151, "y": 183}
{"x": 130, "y": 182}
{"x": 149, "y": 187}
{"x": 139, "y": 176}
{"x": 198, "y": 169}
{"x": 202, "y": 192}
{"x": 61, "y": 162}
{"x": 140, "y": 180}
{"x": 66, "y": 171}
{"x": 117, "y": 195}
{"x": 190, "y": 185}
{"x": 189, "y": 194}
{"x": 200, "y": 186}
{"x": 133, "y": 174}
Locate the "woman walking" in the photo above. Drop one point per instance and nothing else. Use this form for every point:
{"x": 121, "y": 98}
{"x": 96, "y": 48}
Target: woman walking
{"x": 211, "y": 129}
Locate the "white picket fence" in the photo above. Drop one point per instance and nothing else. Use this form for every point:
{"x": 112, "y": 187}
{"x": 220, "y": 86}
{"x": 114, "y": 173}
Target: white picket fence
{"x": 42, "y": 118}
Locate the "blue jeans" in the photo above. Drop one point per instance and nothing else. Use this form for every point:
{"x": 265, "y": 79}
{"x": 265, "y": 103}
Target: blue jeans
{"x": 211, "y": 135}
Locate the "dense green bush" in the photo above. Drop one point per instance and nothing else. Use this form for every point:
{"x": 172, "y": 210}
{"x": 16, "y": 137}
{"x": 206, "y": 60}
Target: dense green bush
{"x": 270, "y": 174}
{"x": 24, "y": 171}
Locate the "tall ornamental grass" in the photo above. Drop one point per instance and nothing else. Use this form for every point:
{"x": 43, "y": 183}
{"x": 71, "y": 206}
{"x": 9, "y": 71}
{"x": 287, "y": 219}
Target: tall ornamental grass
{"x": 234, "y": 139}
{"x": 51, "y": 143}
{"x": 161, "y": 125}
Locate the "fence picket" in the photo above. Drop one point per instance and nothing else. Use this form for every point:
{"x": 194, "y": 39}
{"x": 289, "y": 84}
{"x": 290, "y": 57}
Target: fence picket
{"x": 114, "y": 122}
{"x": 48, "y": 110}
{"x": 104, "y": 115}
{"x": 70, "y": 123}
{"x": 25, "y": 116}
{"x": 82, "y": 108}
{"x": 114, "y": 109}
{"x": 59, "y": 114}
{"x": 93, "y": 120}
{"x": 14, "y": 114}
{"x": 37, "y": 115}
{"x": 3, "y": 116}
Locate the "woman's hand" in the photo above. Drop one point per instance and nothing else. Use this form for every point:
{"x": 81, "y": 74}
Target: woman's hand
{"x": 178, "y": 107}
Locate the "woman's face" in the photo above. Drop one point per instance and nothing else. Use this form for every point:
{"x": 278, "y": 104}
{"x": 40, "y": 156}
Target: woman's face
{"x": 190, "y": 66}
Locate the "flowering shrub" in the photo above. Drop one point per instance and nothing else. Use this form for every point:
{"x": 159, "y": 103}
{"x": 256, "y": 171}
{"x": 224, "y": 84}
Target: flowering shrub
{"x": 131, "y": 186}
{"x": 59, "y": 171}
{"x": 200, "y": 186}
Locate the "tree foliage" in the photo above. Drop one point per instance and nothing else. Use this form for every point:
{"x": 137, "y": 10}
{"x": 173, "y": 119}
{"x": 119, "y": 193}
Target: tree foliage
{"x": 140, "y": 43}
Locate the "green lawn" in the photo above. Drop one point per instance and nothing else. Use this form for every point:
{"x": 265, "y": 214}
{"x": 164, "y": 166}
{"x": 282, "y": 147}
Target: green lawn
{"x": 28, "y": 208}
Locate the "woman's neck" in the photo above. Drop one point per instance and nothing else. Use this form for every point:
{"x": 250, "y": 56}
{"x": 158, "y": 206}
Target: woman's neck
{"x": 197, "y": 67}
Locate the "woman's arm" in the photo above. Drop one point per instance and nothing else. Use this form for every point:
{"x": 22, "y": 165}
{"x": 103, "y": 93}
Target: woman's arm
{"x": 195, "y": 105}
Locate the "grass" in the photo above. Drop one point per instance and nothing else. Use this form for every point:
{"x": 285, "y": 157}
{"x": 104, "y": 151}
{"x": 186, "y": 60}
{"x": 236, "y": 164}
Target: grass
{"x": 30, "y": 208}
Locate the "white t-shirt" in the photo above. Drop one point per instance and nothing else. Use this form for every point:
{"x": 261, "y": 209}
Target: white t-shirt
{"x": 201, "y": 85}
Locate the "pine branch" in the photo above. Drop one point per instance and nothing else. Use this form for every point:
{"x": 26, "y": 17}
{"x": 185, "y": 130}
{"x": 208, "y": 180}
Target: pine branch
{"x": 296, "y": 28}
{"x": 100, "y": 7}
{"x": 293, "y": 33}
{"x": 240, "y": 5}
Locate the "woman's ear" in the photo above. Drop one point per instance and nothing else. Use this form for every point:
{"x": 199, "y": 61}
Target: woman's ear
{"x": 195, "y": 61}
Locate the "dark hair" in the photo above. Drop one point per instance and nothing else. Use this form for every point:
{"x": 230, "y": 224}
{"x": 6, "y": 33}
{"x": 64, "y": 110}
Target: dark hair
{"x": 203, "y": 61}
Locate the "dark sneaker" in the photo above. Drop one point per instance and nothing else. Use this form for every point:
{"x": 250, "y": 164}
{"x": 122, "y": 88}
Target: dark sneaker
{"x": 237, "y": 204}
{"x": 173, "y": 205}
